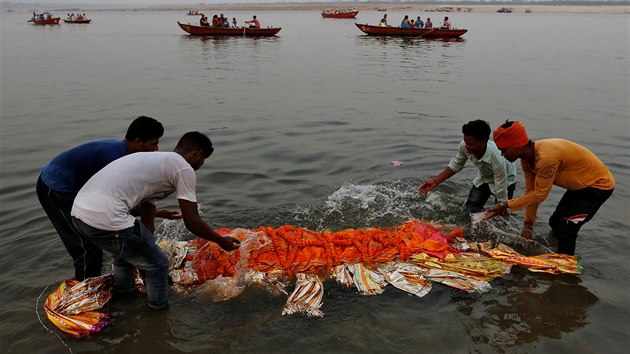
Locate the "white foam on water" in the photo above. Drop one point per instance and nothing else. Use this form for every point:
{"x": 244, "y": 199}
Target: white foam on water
{"x": 506, "y": 231}
{"x": 476, "y": 218}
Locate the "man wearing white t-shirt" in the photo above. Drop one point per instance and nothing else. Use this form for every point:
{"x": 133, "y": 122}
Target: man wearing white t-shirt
{"x": 101, "y": 210}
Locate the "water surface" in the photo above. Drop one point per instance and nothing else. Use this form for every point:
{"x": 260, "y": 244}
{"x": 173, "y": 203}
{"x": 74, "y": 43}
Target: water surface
{"x": 304, "y": 126}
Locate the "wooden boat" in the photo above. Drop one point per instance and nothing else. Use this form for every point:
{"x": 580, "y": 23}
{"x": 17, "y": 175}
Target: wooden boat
{"x": 339, "y": 14}
{"x": 85, "y": 20}
{"x": 196, "y": 30}
{"x": 45, "y": 21}
{"x": 411, "y": 32}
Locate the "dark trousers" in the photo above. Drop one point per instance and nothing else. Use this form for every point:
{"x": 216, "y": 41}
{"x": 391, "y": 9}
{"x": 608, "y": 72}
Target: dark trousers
{"x": 87, "y": 257}
{"x": 575, "y": 209}
{"x": 477, "y": 197}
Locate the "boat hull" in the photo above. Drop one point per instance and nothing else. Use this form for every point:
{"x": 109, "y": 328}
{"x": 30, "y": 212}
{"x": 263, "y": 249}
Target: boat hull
{"x": 50, "y": 21}
{"x": 352, "y": 14}
{"x": 195, "y": 30}
{"x": 77, "y": 21}
{"x": 411, "y": 32}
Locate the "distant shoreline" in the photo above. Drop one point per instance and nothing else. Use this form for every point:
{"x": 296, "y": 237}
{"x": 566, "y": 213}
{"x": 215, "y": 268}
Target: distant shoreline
{"x": 569, "y": 9}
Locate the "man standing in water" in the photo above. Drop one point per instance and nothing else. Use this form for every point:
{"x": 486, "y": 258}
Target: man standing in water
{"x": 101, "y": 211}
{"x": 60, "y": 180}
{"x": 496, "y": 175}
{"x": 546, "y": 162}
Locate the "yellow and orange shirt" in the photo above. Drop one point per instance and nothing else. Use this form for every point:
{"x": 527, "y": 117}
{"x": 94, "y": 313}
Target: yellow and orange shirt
{"x": 563, "y": 163}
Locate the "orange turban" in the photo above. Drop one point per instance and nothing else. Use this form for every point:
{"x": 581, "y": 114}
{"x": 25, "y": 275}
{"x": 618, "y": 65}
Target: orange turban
{"x": 512, "y": 137}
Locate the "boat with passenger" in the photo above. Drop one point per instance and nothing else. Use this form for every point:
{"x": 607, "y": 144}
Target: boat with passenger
{"x": 77, "y": 19}
{"x": 196, "y": 30}
{"x": 45, "y": 18}
{"x": 340, "y": 13}
{"x": 411, "y": 32}
{"x": 85, "y": 21}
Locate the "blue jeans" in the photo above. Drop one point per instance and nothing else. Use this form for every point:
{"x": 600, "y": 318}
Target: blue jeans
{"x": 134, "y": 246}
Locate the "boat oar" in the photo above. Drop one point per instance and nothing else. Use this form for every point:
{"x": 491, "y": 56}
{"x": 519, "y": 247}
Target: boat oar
{"x": 433, "y": 29}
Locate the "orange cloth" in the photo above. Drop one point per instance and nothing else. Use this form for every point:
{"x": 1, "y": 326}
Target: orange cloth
{"x": 513, "y": 137}
{"x": 295, "y": 250}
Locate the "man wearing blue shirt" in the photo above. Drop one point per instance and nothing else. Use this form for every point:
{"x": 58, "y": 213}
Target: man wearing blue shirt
{"x": 496, "y": 176}
{"x": 62, "y": 178}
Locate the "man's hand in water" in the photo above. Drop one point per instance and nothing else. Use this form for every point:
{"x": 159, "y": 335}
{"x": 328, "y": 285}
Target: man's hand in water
{"x": 497, "y": 209}
{"x": 228, "y": 243}
{"x": 528, "y": 230}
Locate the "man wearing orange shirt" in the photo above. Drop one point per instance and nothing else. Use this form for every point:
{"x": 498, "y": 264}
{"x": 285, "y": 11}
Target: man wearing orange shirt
{"x": 253, "y": 23}
{"x": 548, "y": 162}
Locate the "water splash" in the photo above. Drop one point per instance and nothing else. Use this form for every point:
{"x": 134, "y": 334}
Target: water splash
{"x": 386, "y": 204}
{"x": 506, "y": 230}
{"x": 381, "y": 204}
{"x": 390, "y": 203}
{"x": 171, "y": 230}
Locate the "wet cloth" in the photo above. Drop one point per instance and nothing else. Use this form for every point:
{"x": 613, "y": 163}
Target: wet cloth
{"x": 72, "y": 307}
{"x": 410, "y": 257}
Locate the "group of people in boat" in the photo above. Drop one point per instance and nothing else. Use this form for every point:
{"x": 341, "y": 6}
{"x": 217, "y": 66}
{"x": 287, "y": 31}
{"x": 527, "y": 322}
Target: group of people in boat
{"x": 42, "y": 16}
{"x": 78, "y": 17}
{"x": 417, "y": 23}
{"x": 338, "y": 11}
{"x": 223, "y": 21}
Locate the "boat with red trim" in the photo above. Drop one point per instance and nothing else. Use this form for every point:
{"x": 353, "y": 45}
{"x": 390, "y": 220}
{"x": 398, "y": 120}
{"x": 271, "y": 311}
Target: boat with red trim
{"x": 86, "y": 20}
{"x": 196, "y": 30}
{"x": 336, "y": 13}
{"x": 44, "y": 19}
{"x": 411, "y": 32}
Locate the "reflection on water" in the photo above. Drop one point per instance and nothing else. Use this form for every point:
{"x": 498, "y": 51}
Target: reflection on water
{"x": 524, "y": 309}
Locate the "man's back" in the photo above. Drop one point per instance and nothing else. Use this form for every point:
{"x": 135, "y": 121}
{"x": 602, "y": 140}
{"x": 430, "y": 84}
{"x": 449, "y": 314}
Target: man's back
{"x": 106, "y": 199}
{"x": 69, "y": 171}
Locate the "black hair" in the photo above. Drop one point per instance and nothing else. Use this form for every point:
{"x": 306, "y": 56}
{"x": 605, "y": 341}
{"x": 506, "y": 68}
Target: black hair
{"x": 480, "y": 129}
{"x": 193, "y": 141}
{"x": 507, "y": 124}
{"x": 145, "y": 129}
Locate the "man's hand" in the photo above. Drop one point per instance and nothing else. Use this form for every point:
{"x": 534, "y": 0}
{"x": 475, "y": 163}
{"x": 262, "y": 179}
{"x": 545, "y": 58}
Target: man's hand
{"x": 428, "y": 186}
{"x": 228, "y": 243}
{"x": 528, "y": 230}
{"x": 497, "y": 209}
{"x": 168, "y": 214}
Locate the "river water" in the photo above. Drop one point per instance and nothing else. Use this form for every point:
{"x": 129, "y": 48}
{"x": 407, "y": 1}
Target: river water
{"x": 305, "y": 125}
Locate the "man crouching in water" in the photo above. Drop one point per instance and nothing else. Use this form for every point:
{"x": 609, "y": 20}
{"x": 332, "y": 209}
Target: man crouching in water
{"x": 101, "y": 211}
{"x": 546, "y": 162}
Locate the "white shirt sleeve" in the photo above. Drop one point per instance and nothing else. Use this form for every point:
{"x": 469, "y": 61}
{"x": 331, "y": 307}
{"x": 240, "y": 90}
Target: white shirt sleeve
{"x": 186, "y": 185}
